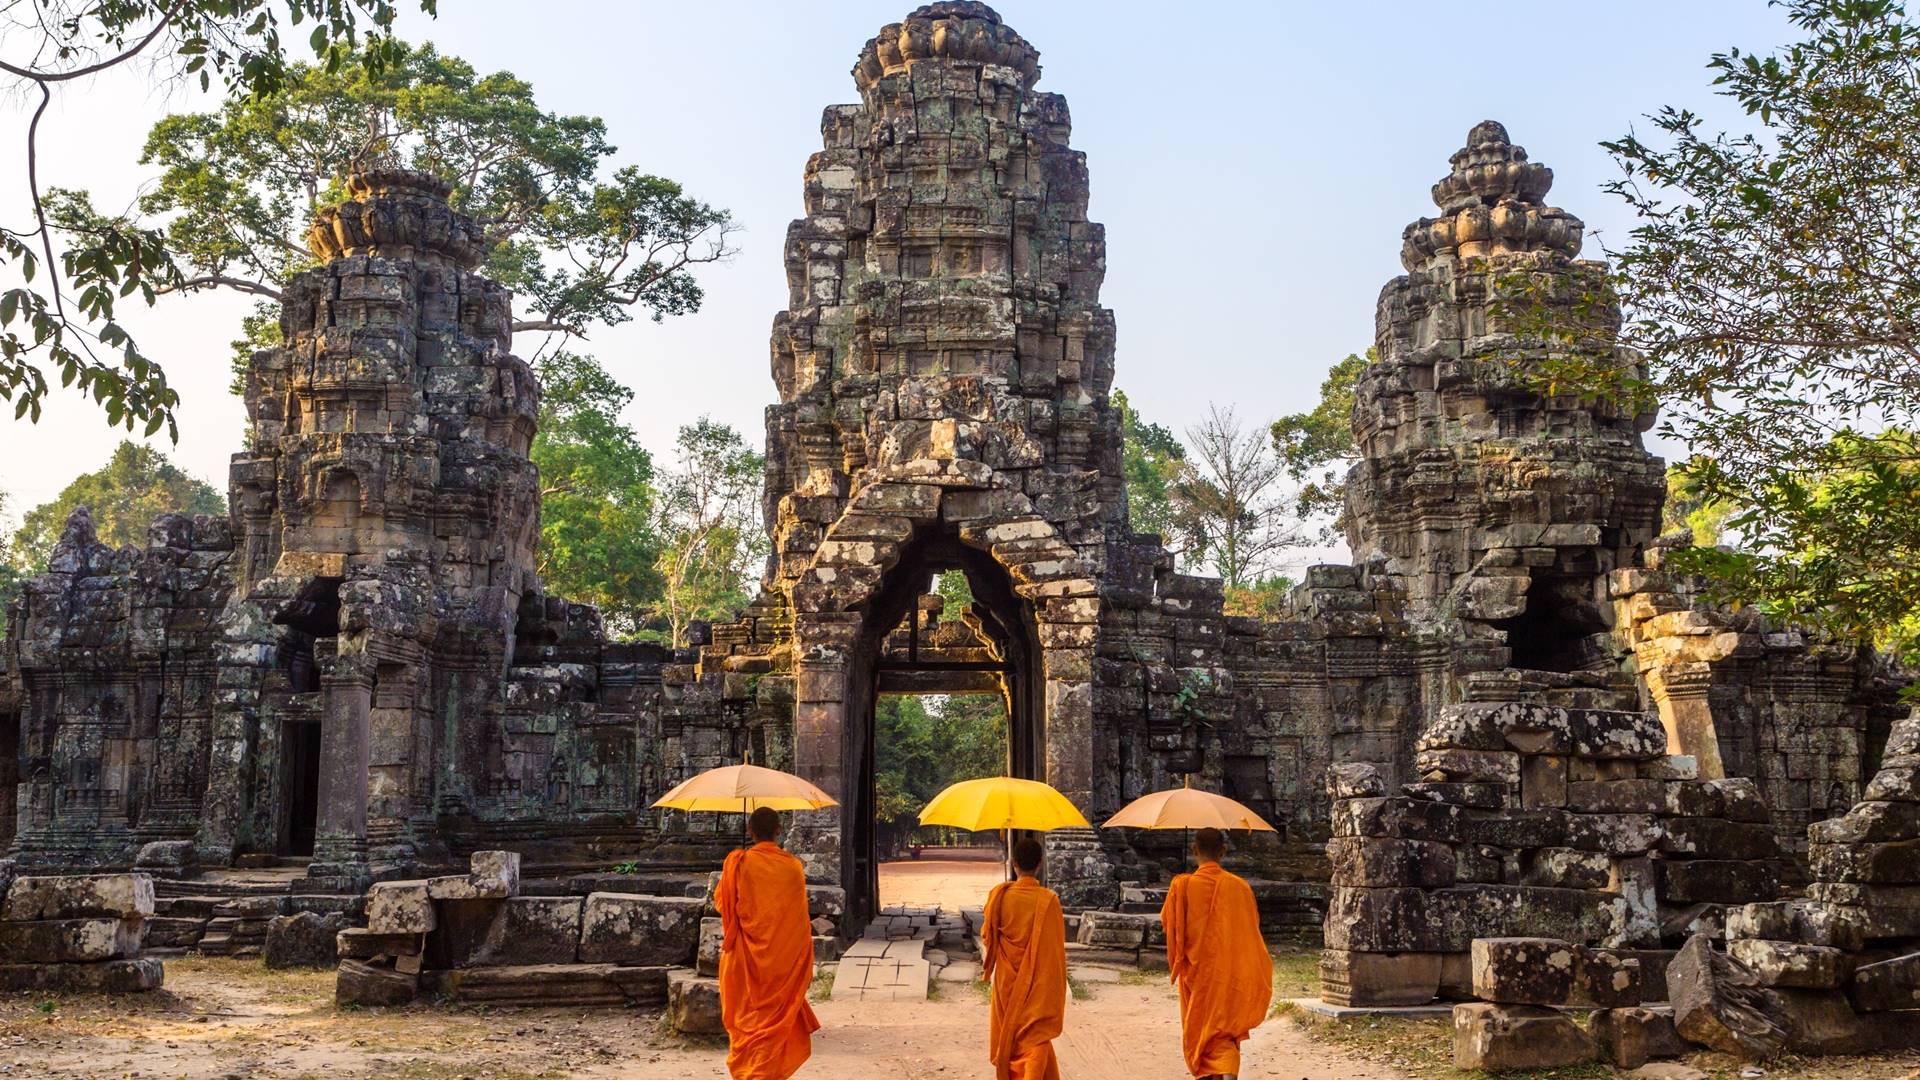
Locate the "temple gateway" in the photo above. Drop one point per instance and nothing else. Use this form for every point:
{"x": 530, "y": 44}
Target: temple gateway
{"x": 360, "y": 666}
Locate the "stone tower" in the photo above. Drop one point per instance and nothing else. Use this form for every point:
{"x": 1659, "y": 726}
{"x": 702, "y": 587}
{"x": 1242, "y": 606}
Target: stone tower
{"x": 1498, "y": 510}
{"x": 386, "y": 514}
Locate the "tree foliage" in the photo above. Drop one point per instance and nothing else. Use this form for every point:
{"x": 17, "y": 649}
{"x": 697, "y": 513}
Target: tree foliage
{"x": 1265, "y": 599}
{"x": 60, "y": 320}
{"x": 578, "y": 245}
{"x": 1231, "y": 501}
{"x": 12, "y": 572}
{"x": 1316, "y": 447}
{"x": 1690, "y": 510}
{"x": 921, "y": 745}
{"x": 1772, "y": 284}
{"x": 710, "y": 532}
{"x": 1151, "y": 458}
{"x": 136, "y": 485}
{"x": 599, "y": 540}
{"x": 1840, "y": 543}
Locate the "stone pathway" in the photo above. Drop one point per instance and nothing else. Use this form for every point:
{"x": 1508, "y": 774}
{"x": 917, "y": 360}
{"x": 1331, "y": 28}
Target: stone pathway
{"x": 893, "y": 960}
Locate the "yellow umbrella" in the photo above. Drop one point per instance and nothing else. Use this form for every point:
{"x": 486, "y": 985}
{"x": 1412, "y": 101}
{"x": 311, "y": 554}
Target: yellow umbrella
{"x": 1186, "y": 808}
{"x": 740, "y": 789}
{"x": 1002, "y": 802}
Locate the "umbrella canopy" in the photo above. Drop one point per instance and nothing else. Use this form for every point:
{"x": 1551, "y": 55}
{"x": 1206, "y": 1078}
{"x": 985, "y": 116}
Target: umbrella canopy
{"x": 1186, "y": 808}
{"x": 1002, "y": 802}
{"x": 738, "y": 789}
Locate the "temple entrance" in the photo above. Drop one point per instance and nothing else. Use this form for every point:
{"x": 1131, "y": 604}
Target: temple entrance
{"x": 300, "y": 744}
{"x": 9, "y": 777}
{"x": 945, "y": 684}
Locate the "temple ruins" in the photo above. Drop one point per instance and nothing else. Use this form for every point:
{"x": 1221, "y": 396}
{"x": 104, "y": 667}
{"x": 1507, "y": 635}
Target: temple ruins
{"x": 1531, "y": 728}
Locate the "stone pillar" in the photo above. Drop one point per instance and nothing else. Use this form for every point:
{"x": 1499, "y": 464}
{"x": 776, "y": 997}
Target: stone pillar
{"x": 340, "y": 832}
{"x": 1680, "y": 693}
{"x": 819, "y": 719}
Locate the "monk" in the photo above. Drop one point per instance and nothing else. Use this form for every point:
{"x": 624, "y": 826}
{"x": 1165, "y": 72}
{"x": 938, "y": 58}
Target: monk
{"x": 766, "y": 957}
{"x": 1218, "y": 960}
{"x": 1023, "y": 938}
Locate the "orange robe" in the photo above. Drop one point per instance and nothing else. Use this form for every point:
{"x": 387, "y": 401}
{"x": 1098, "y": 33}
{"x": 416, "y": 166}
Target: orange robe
{"x": 1221, "y": 965}
{"x": 766, "y": 963}
{"x": 1024, "y": 942}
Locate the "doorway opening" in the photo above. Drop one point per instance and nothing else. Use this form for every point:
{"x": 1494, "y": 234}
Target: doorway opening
{"x": 945, "y": 680}
{"x": 300, "y": 744}
{"x": 1561, "y": 629}
{"x": 9, "y": 777}
{"x": 921, "y": 745}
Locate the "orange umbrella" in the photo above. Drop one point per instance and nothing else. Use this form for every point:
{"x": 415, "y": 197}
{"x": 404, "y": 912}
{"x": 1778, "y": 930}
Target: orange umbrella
{"x": 1186, "y": 808}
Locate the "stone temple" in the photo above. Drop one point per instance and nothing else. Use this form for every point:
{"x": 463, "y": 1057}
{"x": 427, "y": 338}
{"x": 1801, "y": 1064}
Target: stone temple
{"x": 360, "y": 666}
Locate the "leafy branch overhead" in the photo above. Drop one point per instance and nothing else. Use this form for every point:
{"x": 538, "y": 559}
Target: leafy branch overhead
{"x": 579, "y": 246}
{"x": 60, "y": 321}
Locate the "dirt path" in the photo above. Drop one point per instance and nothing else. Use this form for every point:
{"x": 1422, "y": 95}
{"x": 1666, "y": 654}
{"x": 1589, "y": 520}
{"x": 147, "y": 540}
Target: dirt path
{"x": 231, "y": 1018}
{"x": 952, "y": 879}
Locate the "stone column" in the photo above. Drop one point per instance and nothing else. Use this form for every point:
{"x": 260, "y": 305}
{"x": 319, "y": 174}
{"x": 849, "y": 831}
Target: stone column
{"x": 340, "y": 832}
{"x": 819, "y": 719}
{"x": 1680, "y": 693}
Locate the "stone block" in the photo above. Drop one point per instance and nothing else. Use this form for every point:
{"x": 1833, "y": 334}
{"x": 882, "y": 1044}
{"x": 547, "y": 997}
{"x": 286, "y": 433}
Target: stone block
{"x": 712, "y": 934}
{"x": 826, "y": 901}
{"x": 1889, "y": 863}
{"x": 1384, "y": 862}
{"x": 303, "y": 940}
{"x": 531, "y": 930}
{"x": 1630, "y": 1037}
{"x": 1515, "y": 828}
{"x": 491, "y": 875}
{"x": 622, "y": 928}
{"x": 1452, "y": 765}
{"x": 1607, "y": 980}
{"x": 168, "y": 859}
{"x": 1478, "y": 796}
{"x": 103, "y": 977}
{"x": 104, "y": 896}
{"x": 361, "y": 984}
{"x": 1868, "y": 822}
{"x": 1617, "y": 796}
{"x": 1112, "y": 930}
{"x": 1787, "y": 963}
{"x": 1888, "y": 984}
{"x": 400, "y": 907}
{"x": 1717, "y": 881}
{"x": 1473, "y": 911}
{"x": 1719, "y": 1003}
{"x": 693, "y": 1004}
{"x": 1543, "y": 781}
{"x": 69, "y": 941}
{"x": 1523, "y": 971}
{"x": 360, "y": 943}
{"x": 1718, "y": 838}
{"x": 1385, "y": 921}
{"x": 1499, "y": 1038}
{"x": 1400, "y": 818}
{"x": 1620, "y": 835}
{"x": 1354, "y": 780}
{"x": 1603, "y": 733}
{"x": 1808, "y": 922}
{"x": 1379, "y": 979}
{"x": 1567, "y": 868}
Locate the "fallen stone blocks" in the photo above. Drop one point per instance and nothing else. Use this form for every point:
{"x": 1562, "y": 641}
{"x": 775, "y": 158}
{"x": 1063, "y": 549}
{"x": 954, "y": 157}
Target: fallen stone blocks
{"x": 693, "y": 1004}
{"x": 78, "y": 934}
{"x": 1533, "y": 820}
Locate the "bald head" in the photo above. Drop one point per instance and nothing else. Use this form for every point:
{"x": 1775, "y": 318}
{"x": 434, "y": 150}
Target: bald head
{"x": 764, "y": 824}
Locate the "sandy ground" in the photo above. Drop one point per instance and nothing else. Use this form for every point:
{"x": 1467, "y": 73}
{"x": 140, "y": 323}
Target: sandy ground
{"x": 951, "y": 878}
{"x": 232, "y": 1018}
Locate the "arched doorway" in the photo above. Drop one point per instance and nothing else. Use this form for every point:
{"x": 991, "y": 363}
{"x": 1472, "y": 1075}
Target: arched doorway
{"x": 998, "y": 652}
{"x": 1038, "y": 608}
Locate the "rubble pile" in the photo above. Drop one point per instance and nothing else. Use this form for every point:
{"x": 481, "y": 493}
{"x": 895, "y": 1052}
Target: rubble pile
{"x": 1535, "y": 821}
{"x": 76, "y": 934}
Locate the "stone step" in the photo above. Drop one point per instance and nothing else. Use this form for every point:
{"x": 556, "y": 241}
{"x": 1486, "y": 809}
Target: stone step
{"x": 541, "y": 985}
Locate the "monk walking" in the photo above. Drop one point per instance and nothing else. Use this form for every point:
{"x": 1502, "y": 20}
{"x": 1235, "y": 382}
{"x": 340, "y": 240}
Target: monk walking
{"x": 1218, "y": 959}
{"x": 766, "y": 957}
{"x": 1024, "y": 940}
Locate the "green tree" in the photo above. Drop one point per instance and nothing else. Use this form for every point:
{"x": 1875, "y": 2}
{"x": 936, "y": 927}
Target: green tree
{"x": 1691, "y": 511}
{"x": 12, "y": 573}
{"x": 1265, "y": 599}
{"x": 1151, "y": 458}
{"x": 136, "y": 485}
{"x": 579, "y": 246}
{"x": 598, "y": 538}
{"x": 1770, "y": 285}
{"x": 1838, "y": 547}
{"x": 1229, "y": 499}
{"x": 921, "y": 745}
{"x": 60, "y": 320}
{"x": 709, "y": 527}
{"x": 1316, "y": 447}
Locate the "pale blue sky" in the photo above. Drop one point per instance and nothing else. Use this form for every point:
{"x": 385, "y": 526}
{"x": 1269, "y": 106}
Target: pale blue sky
{"x": 1254, "y": 165}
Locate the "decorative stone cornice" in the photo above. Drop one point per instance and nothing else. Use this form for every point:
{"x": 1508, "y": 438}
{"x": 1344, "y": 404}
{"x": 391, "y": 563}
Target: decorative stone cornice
{"x": 949, "y": 30}
{"x": 397, "y": 213}
{"x": 1491, "y": 204}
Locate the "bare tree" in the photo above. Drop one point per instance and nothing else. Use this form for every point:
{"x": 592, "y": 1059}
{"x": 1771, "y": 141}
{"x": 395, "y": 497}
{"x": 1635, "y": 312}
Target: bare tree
{"x": 1232, "y": 501}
